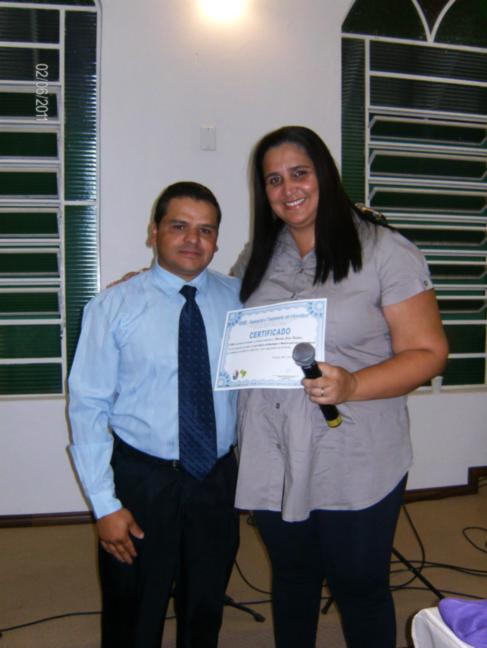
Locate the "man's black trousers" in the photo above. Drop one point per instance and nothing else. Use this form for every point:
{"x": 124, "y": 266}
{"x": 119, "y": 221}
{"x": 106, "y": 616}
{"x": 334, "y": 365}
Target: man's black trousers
{"x": 190, "y": 543}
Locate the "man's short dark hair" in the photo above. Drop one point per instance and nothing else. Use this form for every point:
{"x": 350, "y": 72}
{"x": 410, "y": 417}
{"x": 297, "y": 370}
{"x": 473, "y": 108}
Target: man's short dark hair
{"x": 185, "y": 189}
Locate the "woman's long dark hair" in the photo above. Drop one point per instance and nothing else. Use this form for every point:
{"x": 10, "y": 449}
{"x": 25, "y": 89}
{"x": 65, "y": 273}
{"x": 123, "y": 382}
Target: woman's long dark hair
{"x": 337, "y": 244}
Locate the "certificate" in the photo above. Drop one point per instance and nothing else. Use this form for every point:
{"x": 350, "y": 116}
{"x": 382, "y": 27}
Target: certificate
{"x": 258, "y": 343}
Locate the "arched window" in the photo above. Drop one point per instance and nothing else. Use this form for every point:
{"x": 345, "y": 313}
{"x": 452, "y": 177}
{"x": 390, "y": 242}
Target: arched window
{"x": 414, "y": 135}
{"x": 48, "y": 187}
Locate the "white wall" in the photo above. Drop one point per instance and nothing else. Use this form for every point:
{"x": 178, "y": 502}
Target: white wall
{"x": 164, "y": 73}
{"x": 449, "y": 433}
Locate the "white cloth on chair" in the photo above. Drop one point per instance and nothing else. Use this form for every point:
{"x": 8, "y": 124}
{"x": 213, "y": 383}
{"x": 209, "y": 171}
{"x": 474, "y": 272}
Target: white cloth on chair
{"x": 430, "y": 631}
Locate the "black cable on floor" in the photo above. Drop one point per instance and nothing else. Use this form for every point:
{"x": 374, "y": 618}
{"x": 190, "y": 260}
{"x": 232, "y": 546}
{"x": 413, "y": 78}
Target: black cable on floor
{"x": 247, "y": 582}
{"x": 50, "y": 618}
{"x": 475, "y": 528}
{"x": 422, "y": 564}
{"x": 422, "y": 550}
{"x": 418, "y": 588}
{"x": 468, "y": 571}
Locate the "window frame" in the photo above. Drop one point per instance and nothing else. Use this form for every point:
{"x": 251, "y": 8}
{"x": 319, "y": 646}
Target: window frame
{"x": 75, "y": 244}
{"x": 384, "y": 191}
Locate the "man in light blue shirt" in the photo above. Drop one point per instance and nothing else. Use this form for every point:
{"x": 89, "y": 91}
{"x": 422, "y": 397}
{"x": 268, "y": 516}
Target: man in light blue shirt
{"x": 158, "y": 525}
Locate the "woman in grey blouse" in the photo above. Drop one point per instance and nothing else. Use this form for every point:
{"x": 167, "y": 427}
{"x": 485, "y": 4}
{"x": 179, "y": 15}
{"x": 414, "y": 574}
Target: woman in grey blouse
{"x": 326, "y": 500}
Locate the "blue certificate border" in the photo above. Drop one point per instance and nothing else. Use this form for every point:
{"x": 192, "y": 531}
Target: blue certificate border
{"x": 314, "y": 307}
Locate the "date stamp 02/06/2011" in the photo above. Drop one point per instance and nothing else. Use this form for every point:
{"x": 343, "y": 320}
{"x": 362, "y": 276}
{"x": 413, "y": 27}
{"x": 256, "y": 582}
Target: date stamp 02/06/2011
{"x": 42, "y": 92}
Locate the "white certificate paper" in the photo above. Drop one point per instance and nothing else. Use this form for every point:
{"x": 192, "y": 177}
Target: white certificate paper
{"x": 258, "y": 343}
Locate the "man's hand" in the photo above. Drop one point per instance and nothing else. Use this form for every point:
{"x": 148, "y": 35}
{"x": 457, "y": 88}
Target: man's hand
{"x": 115, "y": 530}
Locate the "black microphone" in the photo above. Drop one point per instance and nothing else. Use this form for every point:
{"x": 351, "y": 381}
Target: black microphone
{"x": 304, "y": 356}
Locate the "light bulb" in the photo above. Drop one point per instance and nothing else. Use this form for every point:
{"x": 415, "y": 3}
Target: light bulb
{"x": 223, "y": 10}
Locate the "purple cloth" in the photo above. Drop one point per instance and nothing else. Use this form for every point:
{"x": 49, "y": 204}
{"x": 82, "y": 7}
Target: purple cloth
{"x": 467, "y": 619}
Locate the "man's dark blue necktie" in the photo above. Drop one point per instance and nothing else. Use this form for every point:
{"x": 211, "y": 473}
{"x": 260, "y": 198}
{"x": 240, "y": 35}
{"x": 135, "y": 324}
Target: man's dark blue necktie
{"x": 197, "y": 426}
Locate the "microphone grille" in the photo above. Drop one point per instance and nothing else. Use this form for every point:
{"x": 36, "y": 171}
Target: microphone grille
{"x": 304, "y": 354}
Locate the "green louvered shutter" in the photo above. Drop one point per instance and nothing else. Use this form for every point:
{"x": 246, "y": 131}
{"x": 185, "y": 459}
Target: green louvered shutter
{"x": 48, "y": 188}
{"x": 415, "y": 147}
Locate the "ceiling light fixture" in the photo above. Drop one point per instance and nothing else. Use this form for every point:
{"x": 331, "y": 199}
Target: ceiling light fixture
{"x": 224, "y": 11}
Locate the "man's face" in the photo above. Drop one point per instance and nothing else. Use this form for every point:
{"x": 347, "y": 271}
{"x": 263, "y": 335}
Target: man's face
{"x": 186, "y": 237}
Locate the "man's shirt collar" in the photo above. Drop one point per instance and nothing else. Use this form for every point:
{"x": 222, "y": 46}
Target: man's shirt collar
{"x": 172, "y": 284}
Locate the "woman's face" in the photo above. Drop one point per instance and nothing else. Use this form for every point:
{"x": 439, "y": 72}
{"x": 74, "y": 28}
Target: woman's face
{"x": 291, "y": 185}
